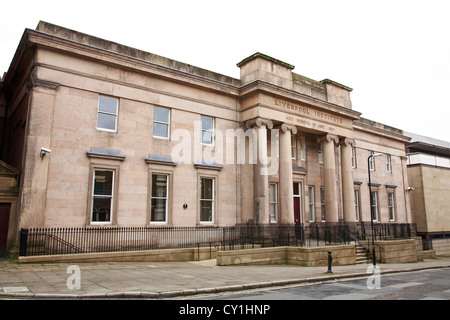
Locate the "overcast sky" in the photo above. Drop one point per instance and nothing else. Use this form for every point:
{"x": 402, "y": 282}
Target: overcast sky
{"x": 395, "y": 54}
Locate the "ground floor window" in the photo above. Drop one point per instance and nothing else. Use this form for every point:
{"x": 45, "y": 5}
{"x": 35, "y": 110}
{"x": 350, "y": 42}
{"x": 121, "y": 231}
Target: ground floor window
{"x": 322, "y": 203}
{"x": 273, "y": 203}
{"x": 311, "y": 203}
{"x": 391, "y": 203}
{"x": 206, "y": 200}
{"x": 102, "y": 196}
{"x": 356, "y": 204}
{"x": 374, "y": 211}
{"x": 159, "y": 198}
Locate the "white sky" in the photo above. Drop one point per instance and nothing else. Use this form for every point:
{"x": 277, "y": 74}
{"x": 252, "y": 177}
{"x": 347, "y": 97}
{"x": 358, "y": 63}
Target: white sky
{"x": 395, "y": 54}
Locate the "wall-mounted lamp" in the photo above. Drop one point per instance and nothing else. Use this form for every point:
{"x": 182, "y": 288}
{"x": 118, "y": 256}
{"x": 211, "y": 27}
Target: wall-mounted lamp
{"x": 44, "y": 152}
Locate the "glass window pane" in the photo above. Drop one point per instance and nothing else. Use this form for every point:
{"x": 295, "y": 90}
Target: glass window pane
{"x": 206, "y": 191}
{"x": 106, "y": 121}
{"x": 207, "y": 123}
{"x": 161, "y": 115}
{"x": 103, "y": 183}
{"x": 158, "y": 210}
{"x": 273, "y": 193}
{"x": 107, "y": 104}
{"x": 101, "y": 209}
{"x": 207, "y": 137}
{"x": 159, "y": 186}
{"x": 160, "y": 130}
{"x": 296, "y": 189}
{"x": 206, "y": 210}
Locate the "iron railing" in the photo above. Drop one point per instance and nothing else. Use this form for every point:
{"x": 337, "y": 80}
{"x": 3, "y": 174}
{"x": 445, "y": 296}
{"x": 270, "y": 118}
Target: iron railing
{"x": 57, "y": 241}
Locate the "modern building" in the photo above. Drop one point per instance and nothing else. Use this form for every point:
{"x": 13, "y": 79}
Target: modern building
{"x": 98, "y": 133}
{"x": 429, "y": 178}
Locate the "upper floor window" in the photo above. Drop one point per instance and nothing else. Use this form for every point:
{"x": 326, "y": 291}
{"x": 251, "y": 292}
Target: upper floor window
{"x": 388, "y": 163}
{"x": 294, "y": 146}
{"x": 320, "y": 152}
{"x": 207, "y": 134}
{"x": 371, "y": 161}
{"x": 353, "y": 157}
{"x": 107, "y": 113}
{"x": 302, "y": 148}
{"x": 161, "y": 123}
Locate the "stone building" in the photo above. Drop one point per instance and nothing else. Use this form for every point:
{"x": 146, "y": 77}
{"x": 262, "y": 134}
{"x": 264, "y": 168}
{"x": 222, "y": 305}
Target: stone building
{"x": 429, "y": 179}
{"x": 104, "y": 134}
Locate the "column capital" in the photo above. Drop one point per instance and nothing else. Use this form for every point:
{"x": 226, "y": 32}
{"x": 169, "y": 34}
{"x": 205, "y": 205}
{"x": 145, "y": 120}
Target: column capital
{"x": 328, "y": 137}
{"x": 259, "y": 122}
{"x": 347, "y": 142}
{"x": 287, "y": 127}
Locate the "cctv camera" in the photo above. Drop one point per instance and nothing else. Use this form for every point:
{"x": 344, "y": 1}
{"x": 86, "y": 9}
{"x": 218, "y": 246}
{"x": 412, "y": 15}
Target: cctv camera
{"x": 410, "y": 189}
{"x": 44, "y": 151}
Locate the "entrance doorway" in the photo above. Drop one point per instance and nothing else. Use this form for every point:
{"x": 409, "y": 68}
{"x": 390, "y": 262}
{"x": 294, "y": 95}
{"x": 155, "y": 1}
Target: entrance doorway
{"x": 4, "y": 225}
{"x": 297, "y": 203}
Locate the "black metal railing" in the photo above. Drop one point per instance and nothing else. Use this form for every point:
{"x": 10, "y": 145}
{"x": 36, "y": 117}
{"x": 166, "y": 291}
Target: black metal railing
{"x": 57, "y": 241}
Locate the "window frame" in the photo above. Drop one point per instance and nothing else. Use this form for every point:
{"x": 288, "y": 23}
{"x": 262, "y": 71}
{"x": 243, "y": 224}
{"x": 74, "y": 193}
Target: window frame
{"x": 388, "y": 163}
{"x": 357, "y": 195}
{"x": 311, "y": 204}
{"x": 374, "y": 206}
{"x": 371, "y": 161}
{"x": 320, "y": 152}
{"x": 168, "y": 177}
{"x": 273, "y": 203}
{"x": 161, "y": 122}
{"x": 213, "y": 200}
{"x": 212, "y": 131}
{"x": 323, "y": 215}
{"x": 112, "y": 197}
{"x": 294, "y": 146}
{"x": 116, "y": 115}
{"x": 391, "y": 207}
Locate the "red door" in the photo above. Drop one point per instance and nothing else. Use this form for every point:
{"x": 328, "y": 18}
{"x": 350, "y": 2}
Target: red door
{"x": 4, "y": 224}
{"x": 297, "y": 203}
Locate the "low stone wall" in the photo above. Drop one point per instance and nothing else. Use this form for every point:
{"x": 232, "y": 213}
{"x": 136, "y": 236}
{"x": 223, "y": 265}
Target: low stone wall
{"x": 166, "y": 255}
{"x": 318, "y": 256}
{"x": 396, "y": 251}
{"x": 442, "y": 247}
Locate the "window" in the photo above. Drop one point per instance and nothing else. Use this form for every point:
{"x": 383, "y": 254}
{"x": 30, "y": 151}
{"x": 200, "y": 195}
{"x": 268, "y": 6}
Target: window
{"x": 102, "y": 196}
{"x": 353, "y": 157}
{"x": 374, "y": 211}
{"x": 159, "y": 198}
{"x": 311, "y": 204}
{"x": 356, "y": 204}
{"x": 302, "y": 148}
{"x": 206, "y": 200}
{"x": 388, "y": 163}
{"x": 207, "y": 134}
{"x": 371, "y": 161}
{"x": 107, "y": 113}
{"x": 320, "y": 152}
{"x": 161, "y": 123}
{"x": 294, "y": 146}
{"x": 322, "y": 203}
{"x": 273, "y": 202}
{"x": 391, "y": 204}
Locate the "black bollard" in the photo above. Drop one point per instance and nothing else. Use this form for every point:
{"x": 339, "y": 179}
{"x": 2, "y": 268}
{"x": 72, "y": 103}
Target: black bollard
{"x": 330, "y": 260}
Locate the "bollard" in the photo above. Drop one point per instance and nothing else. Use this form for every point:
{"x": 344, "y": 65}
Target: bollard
{"x": 330, "y": 260}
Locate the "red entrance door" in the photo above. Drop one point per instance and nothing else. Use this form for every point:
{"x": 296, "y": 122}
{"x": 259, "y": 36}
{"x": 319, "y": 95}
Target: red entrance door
{"x": 297, "y": 203}
{"x": 4, "y": 224}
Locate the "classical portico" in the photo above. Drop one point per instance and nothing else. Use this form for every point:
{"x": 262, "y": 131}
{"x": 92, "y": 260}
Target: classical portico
{"x": 326, "y": 121}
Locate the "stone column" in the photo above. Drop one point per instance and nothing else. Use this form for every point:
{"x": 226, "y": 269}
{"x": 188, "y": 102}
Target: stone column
{"x": 347, "y": 180}
{"x": 285, "y": 175}
{"x": 260, "y": 179}
{"x": 329, "y": 171}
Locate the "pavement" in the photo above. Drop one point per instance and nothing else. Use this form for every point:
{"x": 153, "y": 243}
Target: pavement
{"x": 162, "y": 280}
